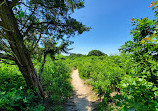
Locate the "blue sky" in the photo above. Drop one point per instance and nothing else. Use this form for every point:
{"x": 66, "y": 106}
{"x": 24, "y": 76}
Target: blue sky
{"x": 110, "y": 23}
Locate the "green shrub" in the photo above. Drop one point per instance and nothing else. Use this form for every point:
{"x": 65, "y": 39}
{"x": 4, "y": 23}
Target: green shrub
{"x": 14, "y": 95}
{"x": 137, "y": 94}
{"x": 13, "y": 92}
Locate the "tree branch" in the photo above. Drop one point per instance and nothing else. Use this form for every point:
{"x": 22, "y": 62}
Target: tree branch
{"x": 5, "y": 29}
{"x": 41, "y": 23}
{"x": 2, "y": 3}
{"x": 2, "y": 34}
{"x": 1, "y": 23}
{"x": 25, "y": 5}
{"x": 36, "y": 43}
{"x": 13, "y": 3}
{"x": 2, "y": 61}
{"x": 3, "y": 56}
{"x": 29, "y": 17}
{"x": 42, "y": 67}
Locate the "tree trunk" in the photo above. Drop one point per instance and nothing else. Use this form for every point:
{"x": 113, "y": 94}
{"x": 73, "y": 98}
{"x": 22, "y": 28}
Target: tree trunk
{"x": 30, "y": 75}
{"x": 42, "y": 67}
{"x": 19, "y": 49}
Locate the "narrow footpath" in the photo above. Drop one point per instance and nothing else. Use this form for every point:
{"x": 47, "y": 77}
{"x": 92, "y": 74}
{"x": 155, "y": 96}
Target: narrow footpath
{"x": 83, "y": 99}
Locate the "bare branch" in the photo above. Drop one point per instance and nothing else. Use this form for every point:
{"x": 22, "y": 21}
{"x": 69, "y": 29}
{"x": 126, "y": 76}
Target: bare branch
{"x": 42, "y": 67}
{"x": 37, "y": 41}
{"x": 33, "y": 48}
{"x": 3, "y": 56}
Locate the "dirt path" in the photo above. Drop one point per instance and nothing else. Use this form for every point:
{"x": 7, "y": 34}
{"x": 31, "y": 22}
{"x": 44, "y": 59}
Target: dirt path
{"x": 83, "y": 96}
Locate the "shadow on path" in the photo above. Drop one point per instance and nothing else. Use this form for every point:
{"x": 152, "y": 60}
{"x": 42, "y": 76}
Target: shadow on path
{"x": 83, "y": 104}
{"x": 82, "y": 99}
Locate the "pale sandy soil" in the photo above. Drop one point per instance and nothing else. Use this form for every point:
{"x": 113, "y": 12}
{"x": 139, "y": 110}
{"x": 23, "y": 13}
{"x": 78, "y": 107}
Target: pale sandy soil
{"x": 83, "y": 95}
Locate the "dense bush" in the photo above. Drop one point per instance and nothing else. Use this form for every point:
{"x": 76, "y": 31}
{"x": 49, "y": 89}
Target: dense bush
{"x": 137, "y": 94}
{"x": 103, "y": 72}
{"x": 122, "y": 74}
{"x": 139, "y": 88}
{"x": 14, "y": 94}
{"x": 56, "y": 81}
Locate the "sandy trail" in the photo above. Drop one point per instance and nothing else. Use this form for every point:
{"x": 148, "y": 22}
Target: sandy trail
{"x": 83, "y": 94}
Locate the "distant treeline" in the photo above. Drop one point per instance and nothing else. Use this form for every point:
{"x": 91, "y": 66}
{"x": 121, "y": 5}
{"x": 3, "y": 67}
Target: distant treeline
{"x": 91, "y": 53}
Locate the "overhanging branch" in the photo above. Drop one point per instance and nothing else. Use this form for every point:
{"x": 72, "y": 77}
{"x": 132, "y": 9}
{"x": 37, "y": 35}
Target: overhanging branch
{"x": 4, "y": 56}
{"x": 42, "y": 23}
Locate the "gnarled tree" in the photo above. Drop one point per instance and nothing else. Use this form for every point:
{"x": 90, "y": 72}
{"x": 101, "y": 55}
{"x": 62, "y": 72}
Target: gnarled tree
{"x": 24, "y": 25}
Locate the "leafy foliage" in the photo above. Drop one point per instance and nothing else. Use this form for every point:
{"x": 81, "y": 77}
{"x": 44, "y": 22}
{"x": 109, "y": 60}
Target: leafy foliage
{"x": 139, "y": 87}
{"x": 43, "y": 23}
{"x": 14, "y": 94}
{"x": 96, "y": 53}
{"x": 32, "y": 28}
{"x": 133, "y": 74}
{"x": 121, "y": 74}
{"x": 73, "y": 55}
